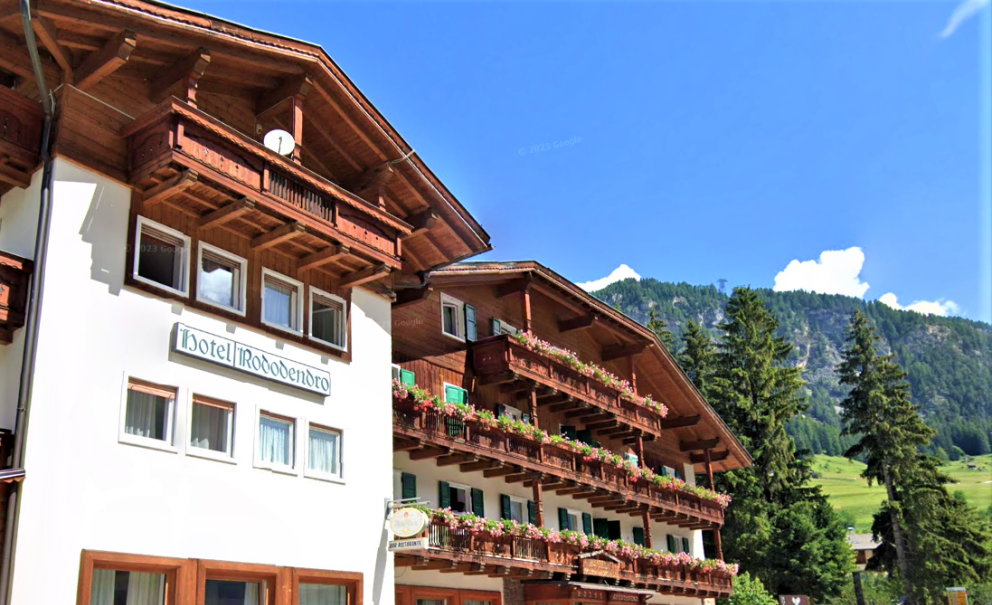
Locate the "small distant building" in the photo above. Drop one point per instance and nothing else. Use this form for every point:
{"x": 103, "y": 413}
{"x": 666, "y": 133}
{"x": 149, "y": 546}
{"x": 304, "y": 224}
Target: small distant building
{"x": 864, "y": 546}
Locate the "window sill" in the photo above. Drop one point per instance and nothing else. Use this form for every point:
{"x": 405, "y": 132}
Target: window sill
{"x": 154, "y": 284}
{"x": 282, "y": 329}
{"x": 458, "y": 338}
{"x": 331, "y": 345}
{"x": 282, "y": 470}
{"x": 224, "y": 308}
{"x": 206, "y": 454}
{"x": 328, "y": 478}
{"x": 152, "y": 444}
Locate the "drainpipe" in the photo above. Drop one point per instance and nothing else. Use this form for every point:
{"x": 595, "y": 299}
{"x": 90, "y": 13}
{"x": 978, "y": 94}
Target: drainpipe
{"x": 35, "y": 297}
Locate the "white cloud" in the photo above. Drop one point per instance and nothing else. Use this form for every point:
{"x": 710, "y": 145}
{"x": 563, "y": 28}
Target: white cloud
{"x": 962, "y": 13}
{"x": 621, "y": 272}
{"x": 836, "y": 272}
{"x": 940, "y": 307}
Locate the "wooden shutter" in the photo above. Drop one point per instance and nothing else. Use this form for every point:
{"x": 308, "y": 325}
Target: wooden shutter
{"x": 409, "y": 483}
{"x": 445, "y": 497}
{"x": 600, "y": 527}
{"x": 495, "y": 327}
{"x": 672, "y": 546}
{"x": 567, "y": 430}
{"x": 614, "y": 530}
{"x": 531, "y": 511}
{"x": 586, "y": 524}
{"x": 407, "y": 377}
{"x": 453, "y": 394}
{"x": 563, "y": 518}
{"x": 504, "y": 507}
{"x": 471, "y": 330}
{"x": 685, "y": 544}
{"x": 478, "y": 502}
{"x": 639, "y": 536}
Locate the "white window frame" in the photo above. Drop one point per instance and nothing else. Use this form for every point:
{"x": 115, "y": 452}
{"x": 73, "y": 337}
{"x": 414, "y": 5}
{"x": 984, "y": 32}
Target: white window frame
{"x": 169, "y": 444}
{"x": 307, "y": 471}
{"x": 574, "y": 512}
{"x": 271, "y": 466}
{"x": 506, "y": 328}
{"x": 513, "y": 412}
{"x": 289, "y": 281}
{"x": 242, "y": 263}
{"x": 396, "y": 372}
{"x": 344, "y": 318}
{"x": 468, "y": 495}
{"x": 460, "y": 319}
{"x": 445, "y": 385}
{"x": 200, "y": 452}
{"x": 169, "y": 231}
{"x": 524, "y": 511}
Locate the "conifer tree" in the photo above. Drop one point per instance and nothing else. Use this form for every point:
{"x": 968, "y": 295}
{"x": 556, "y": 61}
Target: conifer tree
{"x": 698, "y": 357}
{"x": 660, "y": 327}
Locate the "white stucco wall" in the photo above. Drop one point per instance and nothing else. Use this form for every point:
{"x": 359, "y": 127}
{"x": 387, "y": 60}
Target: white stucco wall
{"x": 86, "y": 490}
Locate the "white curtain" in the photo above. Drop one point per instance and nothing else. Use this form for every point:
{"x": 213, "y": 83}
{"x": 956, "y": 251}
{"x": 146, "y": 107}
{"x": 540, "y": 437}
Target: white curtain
{"x": 145, "y": 588}
{"x": 278, "y": 305}
{"x": 324, "y": 452}
{"x": 322, "y": 594}
{"x": 276, "y": 440}
{"x": 327, "y": 321}
{"x": 104, "y": 583}
{"x": 209, "y": 430}
{"x": 145, "y": 415}
{"x": 251, "y": 594}
{"x": 218, "y": 281}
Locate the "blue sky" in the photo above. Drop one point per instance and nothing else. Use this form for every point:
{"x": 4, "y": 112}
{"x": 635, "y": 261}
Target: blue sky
{"x": 691, "y": 141}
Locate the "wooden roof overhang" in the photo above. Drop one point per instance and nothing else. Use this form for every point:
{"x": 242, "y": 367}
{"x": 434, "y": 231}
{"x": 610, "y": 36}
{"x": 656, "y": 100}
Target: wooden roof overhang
{"x": 15, "y": 275}
{"x": 132, "y": 54}
{"x": 691, "y": 419}
{"x": 20, "y": 139}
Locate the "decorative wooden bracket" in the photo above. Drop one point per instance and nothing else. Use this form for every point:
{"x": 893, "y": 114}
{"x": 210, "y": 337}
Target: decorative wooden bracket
{"x": 677, "y": 423}
{"x": 421, "y": 222}
{"x": 278, "y": 235}
{"x": 371, "y": 184}
{"x": 300, "y": 85}
{"x": 576, "y": 323}
{"x": 365, "y": 275}
{"x": 517, "y": 285}
{"x": 701, "y": 444}
{"x": 227, "y": 213}
{"x": 411, "y": 296}
{"x": 188, "y": 70}
{"x": 714, "y": 457}
{"x": 323, "y": 257}
{"x": 618, "y": 351}
{"x": 168, "y": 188}
{"x": 107, "y": 60}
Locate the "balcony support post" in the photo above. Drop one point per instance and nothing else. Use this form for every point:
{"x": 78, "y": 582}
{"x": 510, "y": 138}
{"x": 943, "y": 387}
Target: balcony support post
{"x": 538, "y": 503}
{"x": 646, "y": 516}
{"x": 533, "y": 406}
{"x": 528, "y": 319}
{"x": 716, "y": 531}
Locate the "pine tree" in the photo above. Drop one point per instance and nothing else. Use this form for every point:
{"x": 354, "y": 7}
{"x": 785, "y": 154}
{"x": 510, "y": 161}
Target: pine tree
{"x": 698, "y": 357}
{"x": 660, "y": 327}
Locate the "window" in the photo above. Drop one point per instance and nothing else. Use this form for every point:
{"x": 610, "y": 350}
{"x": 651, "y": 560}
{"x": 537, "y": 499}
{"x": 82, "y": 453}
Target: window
{"x": 222, "y": 278}
{"x": 453, "y": 317}
{"x": 630, "y": 457}
{"x": 281, "y": 301}
{"x": 405, "y": 376}
{"x": 328, "y": 318}
{"x": 518, "y": 509}
{"x": 512, "y": 412}
{"x": 459, "y": 498}
{"x": 573, "y": 519}
{"x": 462, "y": 499}
{"x": 114, "y": 587}
{"x": 324, "y": 452}
{"x": 323, "y": 594}
{"x": 148, "y": 413}
{"x": 161, "y": 256}
{"x": 211, "y": 426}
{"x": 233, "y": 592}
{"x": 275, "y": 440}
{"x": 501, "y": 327}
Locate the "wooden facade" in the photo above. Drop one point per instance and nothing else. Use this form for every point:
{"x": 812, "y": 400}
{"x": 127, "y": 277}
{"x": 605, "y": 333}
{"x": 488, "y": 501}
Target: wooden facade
{"x": 15, "y": 276}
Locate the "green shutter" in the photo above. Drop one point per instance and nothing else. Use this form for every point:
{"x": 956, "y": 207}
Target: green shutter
{"x": 495, "y": 327}
{"x": 587, "y": 524}
{"x": 568, "y": 430}
{"x": 504, "y": 507}
{"x": 585, "y": 436}
{"x": 445, "y": 497}
{"x": 478, "y": 503}
{"x": 601, "y": 528}
{"x": 409, "y": 483}
{"x": 453, "y": 394}
{"x": 525, "y": 418}
{"x": 614, "y": 530}
{"x": 531, "y": 512}
{"x": 639, "y": 536}
{"x": 685, "y": 544}
{"x": 408, "y": 378}
{"x": 563, "y": 518}
{"x": 471, "y": 331}
{"x": 672, "y": 546}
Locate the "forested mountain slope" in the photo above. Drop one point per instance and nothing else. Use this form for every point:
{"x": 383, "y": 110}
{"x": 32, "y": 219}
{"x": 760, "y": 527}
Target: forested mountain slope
{"x": 949, "y": 359}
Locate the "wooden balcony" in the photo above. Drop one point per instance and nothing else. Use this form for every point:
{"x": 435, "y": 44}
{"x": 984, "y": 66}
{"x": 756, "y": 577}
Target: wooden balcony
{"x": 185, "y": 158}
{"x": 15, "y": 277}
{"x": 501, "y": 359}
{"x": 21, "y": 121}
{"x": 427, "y": 435}
{"x": 460, "y": 551}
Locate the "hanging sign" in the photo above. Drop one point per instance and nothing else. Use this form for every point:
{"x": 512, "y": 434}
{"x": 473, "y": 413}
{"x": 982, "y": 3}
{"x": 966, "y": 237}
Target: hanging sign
{"x": 414, "y": 544}
{"x": 408, "y": 522}
{"x": 233, "y": 354}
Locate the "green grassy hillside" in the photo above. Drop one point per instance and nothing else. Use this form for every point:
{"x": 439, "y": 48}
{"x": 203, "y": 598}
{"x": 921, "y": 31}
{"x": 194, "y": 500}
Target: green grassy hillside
{"x": 841, "y": 481}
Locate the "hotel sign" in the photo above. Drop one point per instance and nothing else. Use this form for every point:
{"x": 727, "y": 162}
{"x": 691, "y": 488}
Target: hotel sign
{"x": 401, "y": 545}
{"x": 233, "y": 354}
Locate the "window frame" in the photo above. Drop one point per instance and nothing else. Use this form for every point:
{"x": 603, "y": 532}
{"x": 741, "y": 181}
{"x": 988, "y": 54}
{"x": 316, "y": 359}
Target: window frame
{"x": 468, "y": 496}
{"x": 317, "y": 292}
{"x": 292, "y": 469}
{"x": 574, "y": 512}
{"x": 200, "y": 452}
{"x": 236, "y": 572}
{"x": 167, "y": 445}
{"x": 287, "y": 281}
{"x": 242, "y": 263}
{"x": 179, "y": 573}
{"x": 313, "y": 474}
{"x": 447, "y": 299}
{"x": 524, "y": 518}
{"x": 351, "y": 580}
{"x": 170, "y": 232}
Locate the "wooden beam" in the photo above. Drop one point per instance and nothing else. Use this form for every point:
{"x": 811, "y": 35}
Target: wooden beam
{"x": 428, "y": 452}
{"x": 46, "y": 31}
{"x": 481, "y": 465}
{"x": 323, "y": 257}
{"x": 677, "y": 423}
{"x": 191, "y": 66}
{"x": 107, "y": 60}
{"x": 278, "y": 235}
{"x": 227, "y": 213}
{"x": 411, "y": 296}
{"x": 602, "y": 425}
{"x": 368, "y": 274}
{"x": 714, "y": 457}
{"x": 14, "y": 57}
{"x": 512, "y": 287}
{"x": 170, "y": 187}
{"x": 291, "y": 87}
{"x": 499, "y": 472}
{"x": 372, "y": 177}
{"x": 421, "y": 222}
{"x": 521, "y": 477}
{"x": 453, "y": 459}
{"x": 585, "y": 412}
{"x": 576, "y": 323}
{"x": 14, "y": 177}
{"x": 618, "y": 351}
{"x": 701, "y": 444}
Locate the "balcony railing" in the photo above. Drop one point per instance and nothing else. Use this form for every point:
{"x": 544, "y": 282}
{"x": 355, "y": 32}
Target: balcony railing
{"x": 15, "y": 274}
{"x": 428, "y": 428}
{"x": 502, "y": 359}
{"x": 479, "y": 552}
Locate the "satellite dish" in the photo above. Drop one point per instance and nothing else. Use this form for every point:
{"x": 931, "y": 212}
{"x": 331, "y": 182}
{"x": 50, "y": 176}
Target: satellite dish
{"x": 279, "y": 141}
